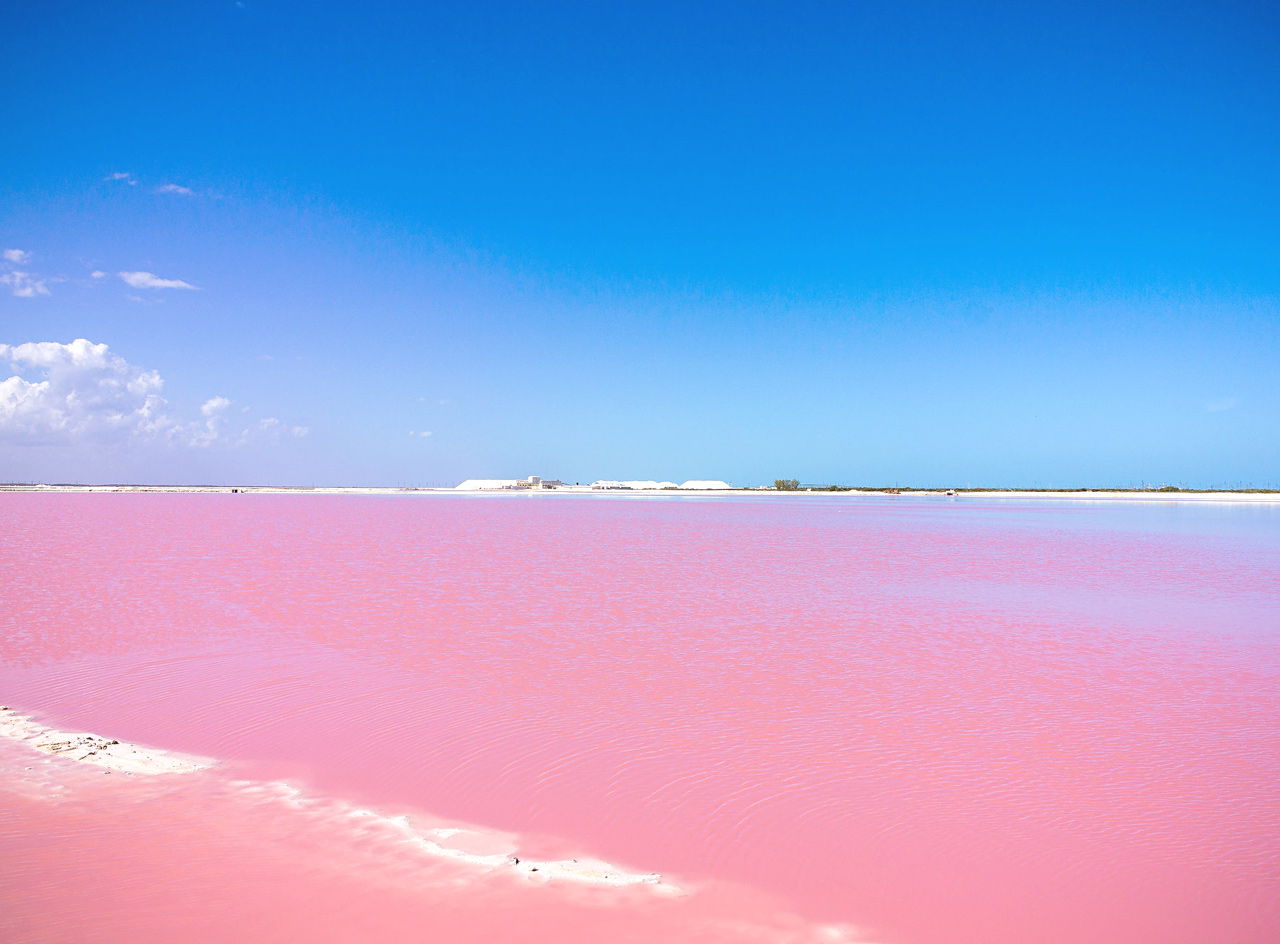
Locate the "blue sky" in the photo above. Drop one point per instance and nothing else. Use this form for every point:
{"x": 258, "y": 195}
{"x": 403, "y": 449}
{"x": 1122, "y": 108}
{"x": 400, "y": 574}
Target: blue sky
{"x": 861, "y": 243}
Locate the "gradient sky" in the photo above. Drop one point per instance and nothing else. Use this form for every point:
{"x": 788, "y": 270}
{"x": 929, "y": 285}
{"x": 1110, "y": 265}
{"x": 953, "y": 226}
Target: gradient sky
{"x": 859, "y": 243}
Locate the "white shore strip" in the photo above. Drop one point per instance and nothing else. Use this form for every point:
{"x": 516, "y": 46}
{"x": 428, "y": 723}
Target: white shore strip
{"x": 1261, "y": 497}
{"x": 95, "y": 749}
{"x": 459, "y": 843}
{"x": 442, "y": 842}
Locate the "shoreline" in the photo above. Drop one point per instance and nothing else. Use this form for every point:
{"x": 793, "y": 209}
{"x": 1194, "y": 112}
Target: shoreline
{"x": 95, "y": 749}
{"x": 449, "y": 842}
{"x": 1249, "y": 496}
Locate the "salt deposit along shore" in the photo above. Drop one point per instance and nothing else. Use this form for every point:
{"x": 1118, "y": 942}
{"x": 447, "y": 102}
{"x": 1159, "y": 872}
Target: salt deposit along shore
{"x": 700, "y": 488}
{"x": 95, "y": 749}
{"x": 485, "y": 849}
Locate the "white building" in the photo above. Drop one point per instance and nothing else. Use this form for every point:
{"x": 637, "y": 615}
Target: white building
{"x": 487, "y": 485}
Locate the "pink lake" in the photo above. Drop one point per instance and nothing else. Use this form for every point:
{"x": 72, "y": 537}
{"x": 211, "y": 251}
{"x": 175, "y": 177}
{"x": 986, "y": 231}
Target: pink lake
{"x": 827, "y": 718}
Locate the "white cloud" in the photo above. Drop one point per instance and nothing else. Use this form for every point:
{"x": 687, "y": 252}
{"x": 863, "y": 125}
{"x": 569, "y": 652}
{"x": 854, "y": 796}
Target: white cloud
{"x": 175, "y": 188}
{"x": 1221, "y": 403}
{"x": 122, "y": 175}
{"x": 271, "y": 429}
{"x": 208, "y": 432}
{"x": 24, "y": 285}
{"x": 424, "y": 434}
{"x": 78, "y": 393}
{"x": 97, "y": 274}
{"x": 21, "y": 284}
{"x": 150, "y": 280}
{"x": 86, "y": 393}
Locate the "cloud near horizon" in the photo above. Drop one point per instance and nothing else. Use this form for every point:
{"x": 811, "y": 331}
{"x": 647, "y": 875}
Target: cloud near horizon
{"x": 83, "y": 394}
{"x": 151, "y": 280}
{"x": 87, "y": 393}
{"x": 175, "y": 188}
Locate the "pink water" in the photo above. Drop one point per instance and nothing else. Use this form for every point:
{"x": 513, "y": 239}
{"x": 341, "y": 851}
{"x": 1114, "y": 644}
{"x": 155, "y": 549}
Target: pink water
{"x": 835, "y": 718}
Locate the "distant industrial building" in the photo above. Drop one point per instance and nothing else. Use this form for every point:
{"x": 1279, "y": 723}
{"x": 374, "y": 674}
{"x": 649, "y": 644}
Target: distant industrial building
{"x": 491, "y": 485}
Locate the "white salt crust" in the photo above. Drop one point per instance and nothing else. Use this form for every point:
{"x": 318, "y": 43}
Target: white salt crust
{"x": 435, "y": 842}
{"x": 95, "y": 749}
{"x": 482, "y": 851}
{"x": 451, "y": 842}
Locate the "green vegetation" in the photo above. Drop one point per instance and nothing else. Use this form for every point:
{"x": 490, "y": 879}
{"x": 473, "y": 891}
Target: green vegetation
{"x": 786, "y": 485}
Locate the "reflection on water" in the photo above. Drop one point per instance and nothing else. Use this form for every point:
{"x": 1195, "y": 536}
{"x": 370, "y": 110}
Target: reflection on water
{"x": 932, "y": 721}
